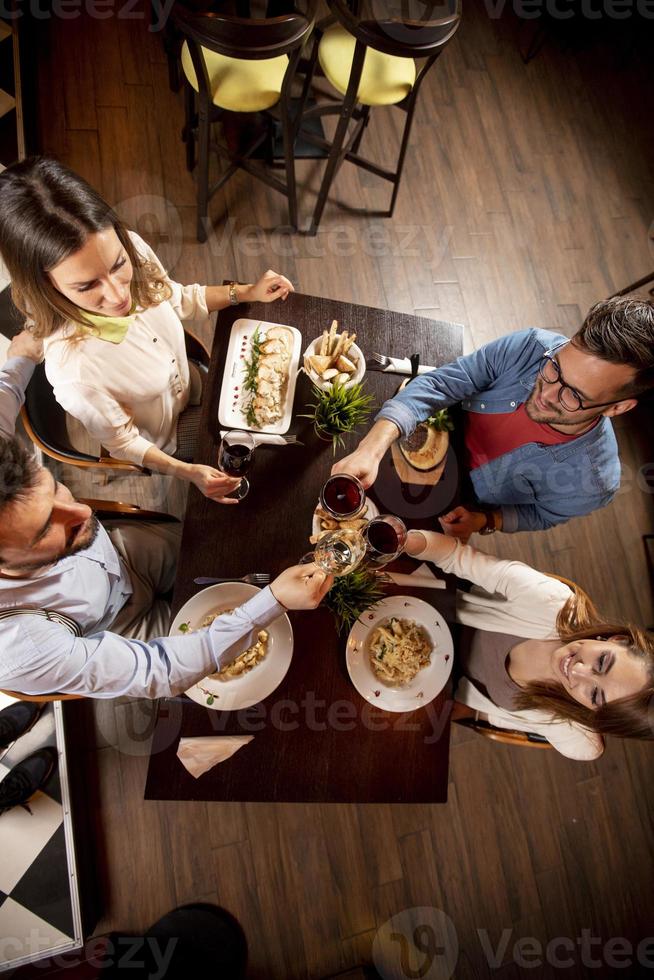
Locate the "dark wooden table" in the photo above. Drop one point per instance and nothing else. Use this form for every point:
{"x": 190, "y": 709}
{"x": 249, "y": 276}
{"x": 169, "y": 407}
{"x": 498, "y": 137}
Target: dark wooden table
{"x": 315, "y": 738}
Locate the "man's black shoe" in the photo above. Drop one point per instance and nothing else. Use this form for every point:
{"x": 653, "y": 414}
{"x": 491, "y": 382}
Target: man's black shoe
{"x": 28, "y": 776}
{"x": 18, "y": 718}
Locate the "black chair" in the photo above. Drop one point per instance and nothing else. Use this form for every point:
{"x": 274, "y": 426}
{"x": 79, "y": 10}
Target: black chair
{"x": 366, "y": 51}
{"x": 239, "y": 65}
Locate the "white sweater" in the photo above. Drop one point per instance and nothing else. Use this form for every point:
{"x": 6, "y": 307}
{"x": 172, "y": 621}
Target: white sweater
{"x": 129, "y": 395}
{"x": 510, "y": 597}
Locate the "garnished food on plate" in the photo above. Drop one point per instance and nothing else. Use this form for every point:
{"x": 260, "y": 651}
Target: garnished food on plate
{"x": 332, "y": 358}
{"x": 425, "y": 447}
{"x": 266, "y": 375}
{"x": 330, "y": 523}
{"x": 398, "y": 649}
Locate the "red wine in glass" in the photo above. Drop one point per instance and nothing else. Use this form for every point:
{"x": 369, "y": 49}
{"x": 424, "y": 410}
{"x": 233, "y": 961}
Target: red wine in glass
{"x": 385, "y": 536}
{"x": 342, "y": 496}
{"x": 235, "y": 458}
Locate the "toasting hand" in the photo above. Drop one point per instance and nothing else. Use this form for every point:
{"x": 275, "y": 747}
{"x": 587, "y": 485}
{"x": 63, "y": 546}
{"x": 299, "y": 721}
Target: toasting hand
{"x": 302, "y": 586}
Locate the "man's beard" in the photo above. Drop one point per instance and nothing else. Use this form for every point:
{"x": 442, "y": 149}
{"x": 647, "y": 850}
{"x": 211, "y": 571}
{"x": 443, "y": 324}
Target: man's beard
{"x": 568, "y": 419}
{"x": 77, "y": 542}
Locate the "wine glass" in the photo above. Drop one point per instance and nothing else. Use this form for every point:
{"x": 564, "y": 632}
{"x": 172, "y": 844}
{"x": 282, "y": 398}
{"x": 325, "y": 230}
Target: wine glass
{"x": 342, "y": 496}
{"x": 385, "y": 538}
{"x": 235, "y": 457}
{"x": 338, "y": 552}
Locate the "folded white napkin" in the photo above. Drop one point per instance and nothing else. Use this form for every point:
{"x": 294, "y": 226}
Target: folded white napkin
{"x": 402, "y": 365}
{"x": 265, "y": 439}
{"x": 198, "y": 755}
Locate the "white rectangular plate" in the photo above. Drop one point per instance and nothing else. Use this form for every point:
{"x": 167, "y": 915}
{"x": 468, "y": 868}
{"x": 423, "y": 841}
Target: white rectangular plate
{"x": 232, "y": 405}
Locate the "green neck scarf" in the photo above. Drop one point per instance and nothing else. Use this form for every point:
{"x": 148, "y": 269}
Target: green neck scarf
{"x": 113, "y": 329}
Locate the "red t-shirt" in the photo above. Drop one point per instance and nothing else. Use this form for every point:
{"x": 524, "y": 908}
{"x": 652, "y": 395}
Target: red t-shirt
{"x": 488, "y": 436}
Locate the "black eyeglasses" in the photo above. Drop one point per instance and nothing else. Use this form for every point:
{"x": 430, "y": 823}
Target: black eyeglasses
{"x": 569, "y": 397}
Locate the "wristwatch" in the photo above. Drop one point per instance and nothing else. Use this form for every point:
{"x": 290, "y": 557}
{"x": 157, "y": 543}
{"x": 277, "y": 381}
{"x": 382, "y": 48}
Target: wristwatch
{"x": 490, "y": 527}
{"x": 233, "y": 295}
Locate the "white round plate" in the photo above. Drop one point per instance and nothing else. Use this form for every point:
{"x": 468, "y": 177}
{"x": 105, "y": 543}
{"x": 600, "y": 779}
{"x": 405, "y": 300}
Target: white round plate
{"x": 428, "y": 682}
{"x": 262, "y": 680}
{"x": 373, "y": 511}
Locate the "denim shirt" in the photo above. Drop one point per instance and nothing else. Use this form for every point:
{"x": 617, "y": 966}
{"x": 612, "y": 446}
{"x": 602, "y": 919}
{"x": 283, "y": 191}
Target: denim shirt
{"x": 535, "y": 486}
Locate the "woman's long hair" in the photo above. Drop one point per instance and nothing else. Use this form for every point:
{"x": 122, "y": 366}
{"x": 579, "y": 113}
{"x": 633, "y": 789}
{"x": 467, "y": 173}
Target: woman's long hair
{"x": 630, "y": 717}
{"x": 46, "y": 214}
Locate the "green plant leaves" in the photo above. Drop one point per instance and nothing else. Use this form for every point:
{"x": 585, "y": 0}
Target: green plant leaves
{"x": 338, "y": 409}
{"x": 351, "y": 595}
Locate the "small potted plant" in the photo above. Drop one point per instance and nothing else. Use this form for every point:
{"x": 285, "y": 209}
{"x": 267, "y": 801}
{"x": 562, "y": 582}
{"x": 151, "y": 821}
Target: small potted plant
{"x": 351, "y": 595}
{"x": 338, "y": 410}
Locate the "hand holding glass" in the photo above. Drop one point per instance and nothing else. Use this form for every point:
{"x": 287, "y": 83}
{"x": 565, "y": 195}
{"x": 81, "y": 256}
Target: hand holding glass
{"x": 385, "y": 539}
{"x": 338, "y": 552}
{"x": 235, "y": 458}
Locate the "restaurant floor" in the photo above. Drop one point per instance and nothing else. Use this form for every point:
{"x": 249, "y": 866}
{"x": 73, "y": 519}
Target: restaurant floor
{"x": 526, "y": 197}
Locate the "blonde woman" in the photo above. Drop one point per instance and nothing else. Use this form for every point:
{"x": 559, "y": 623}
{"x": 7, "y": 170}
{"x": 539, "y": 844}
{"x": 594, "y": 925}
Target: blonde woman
{"x": 111, "y": 320}
{"x": 536, "y": 656}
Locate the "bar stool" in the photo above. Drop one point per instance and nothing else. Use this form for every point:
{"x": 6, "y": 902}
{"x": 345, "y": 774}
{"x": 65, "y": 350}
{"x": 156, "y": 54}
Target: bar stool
{"x": 239, "y": 65}
{"x": 366, "y": 52}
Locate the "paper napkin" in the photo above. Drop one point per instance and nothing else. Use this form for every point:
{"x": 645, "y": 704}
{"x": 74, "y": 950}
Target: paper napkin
{"x": 198, "y": 755}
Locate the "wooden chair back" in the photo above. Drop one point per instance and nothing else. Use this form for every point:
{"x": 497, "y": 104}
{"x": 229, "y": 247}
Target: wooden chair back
{"x": 243, "y": 37}
{"x": 404, "y": 28}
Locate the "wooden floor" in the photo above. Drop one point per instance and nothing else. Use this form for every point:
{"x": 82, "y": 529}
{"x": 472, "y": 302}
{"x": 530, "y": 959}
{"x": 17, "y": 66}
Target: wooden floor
{"x": 527, "y": 196}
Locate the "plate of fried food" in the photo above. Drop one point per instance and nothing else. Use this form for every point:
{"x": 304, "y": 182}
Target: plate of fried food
{"x": 399, "y": 654}
{"x": 334, "y": 358}
{"x": 257, "y": 670}
{"x": 323, "y": 522}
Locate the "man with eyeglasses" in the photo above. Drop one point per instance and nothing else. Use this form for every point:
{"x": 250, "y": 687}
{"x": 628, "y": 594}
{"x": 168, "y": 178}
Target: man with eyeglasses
{"x": 537, "y": 407}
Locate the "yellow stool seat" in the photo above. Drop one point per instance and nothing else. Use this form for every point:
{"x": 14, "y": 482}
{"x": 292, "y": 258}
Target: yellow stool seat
{"x": 386, "y": 79}
{"x": 240, "y": 85}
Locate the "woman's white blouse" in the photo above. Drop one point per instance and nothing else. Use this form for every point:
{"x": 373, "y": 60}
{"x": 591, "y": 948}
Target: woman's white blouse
{"x": 511, "y": 597}
{"x": 129, "y": 396}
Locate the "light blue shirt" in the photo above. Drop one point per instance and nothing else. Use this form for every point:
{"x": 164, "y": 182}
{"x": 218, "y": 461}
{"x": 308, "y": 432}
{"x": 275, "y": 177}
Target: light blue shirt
{"x": 535, "y": 485}
{"x": 41, "y": 657}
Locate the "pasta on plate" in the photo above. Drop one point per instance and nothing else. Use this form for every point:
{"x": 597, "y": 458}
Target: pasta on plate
{"x": 399, "y": 649}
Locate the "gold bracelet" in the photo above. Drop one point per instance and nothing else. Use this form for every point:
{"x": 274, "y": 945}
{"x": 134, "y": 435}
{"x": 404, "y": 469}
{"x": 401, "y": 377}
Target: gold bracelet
{"x": 233, "y": 295}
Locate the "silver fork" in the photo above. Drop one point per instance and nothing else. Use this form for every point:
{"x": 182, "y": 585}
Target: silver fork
{"x": 381, "y": 362}
{"x": 382, "y": 359}
{"x": 254, "y": 578}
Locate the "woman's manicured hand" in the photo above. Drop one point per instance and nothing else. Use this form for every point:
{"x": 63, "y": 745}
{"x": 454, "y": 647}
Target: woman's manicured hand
{"x": 214, "y": 484}
{"x": 271, "y": 286}
{"x": 301, "y": 586}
